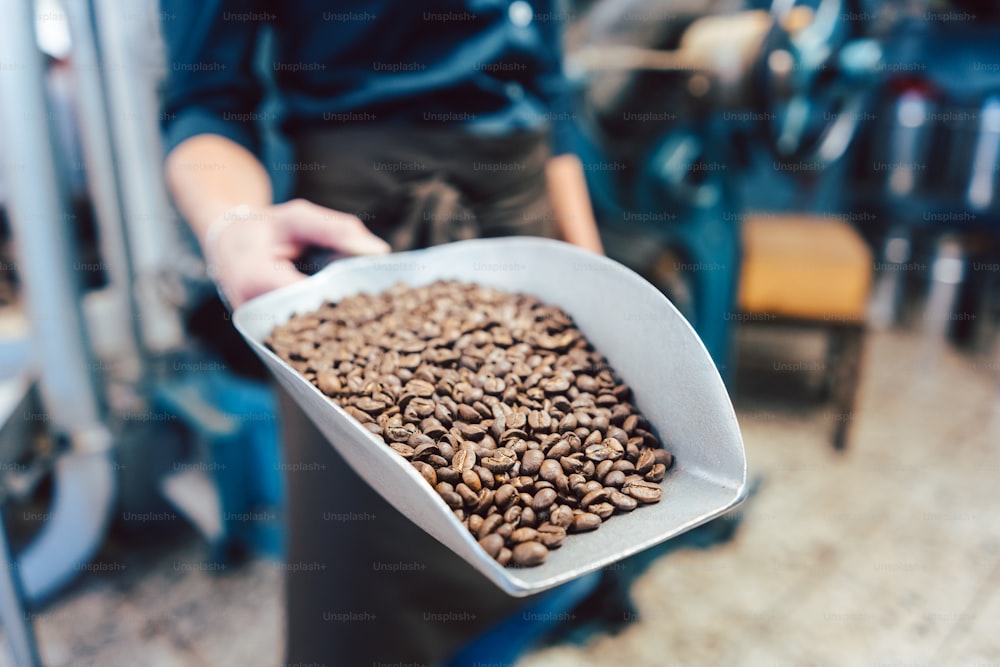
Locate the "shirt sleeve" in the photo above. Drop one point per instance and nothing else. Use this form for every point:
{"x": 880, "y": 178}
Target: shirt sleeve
{"x": 210, "y": 87}
{"x": 556, "y": 89}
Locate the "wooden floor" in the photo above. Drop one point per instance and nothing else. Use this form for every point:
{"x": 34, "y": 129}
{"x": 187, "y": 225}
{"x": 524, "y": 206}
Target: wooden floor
{"x": 886, "y": 555}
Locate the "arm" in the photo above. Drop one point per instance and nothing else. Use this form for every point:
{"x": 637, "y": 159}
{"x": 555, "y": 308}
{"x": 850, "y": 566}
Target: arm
{"x": 218, "y": 184}
{"x": 564, "y": 174}
{"x": 571, "y": 203}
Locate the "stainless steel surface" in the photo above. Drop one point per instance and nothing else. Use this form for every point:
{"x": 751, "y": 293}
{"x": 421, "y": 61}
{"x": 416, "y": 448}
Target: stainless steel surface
{"x": 131, "y": 62}
{"x": 118, "y": 307}
{"x": 645, "y": 339}
{"x": 40, "y": 221}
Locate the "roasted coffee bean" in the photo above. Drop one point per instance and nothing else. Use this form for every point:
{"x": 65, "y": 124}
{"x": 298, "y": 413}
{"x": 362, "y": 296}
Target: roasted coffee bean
{"x": 426, "y": 470}
{"x": 471, "y": 479}
{"x": 492, "y": 544}
{"x": 643, "y": 491}
{"x": 543, "y": 500}
{"x": 487, "y": 478}
{"x": 624, "y": 466}
{"x": 584, "y": 522}
{"x": 614, "y": 478}
{"x": 505, "y": 530}
{"x": 656, "y": 473}
{"x": 445, "y": 473}
{"x": 603, "y": 510}
{"x": 645, "y": 462}
{"x": 494, "y": 400}
{"x": 524, "y": 534}
{"x": 469, "y": 496}
{"x": 484, "y": 502}
{"x": 561, "y": 516}
{"x": 504, "y": 496}
{"x": 621, "y": 501}
{"x": 529, "y": 554}
{"x": 513, "y": 515}
{"x": 571, "y": 465}
{"x": 464, "y": 459}
{"x": 453, "y": 500}
{"x": 551, "y": 536}
{"x": 531, "y": 461}
{"x": 490, "y": 524}
{"x": 559, "y": 450}
{"x": 664, "y": 457}
{"x": 550, "y": 470}
{"x": 595, "y": 496}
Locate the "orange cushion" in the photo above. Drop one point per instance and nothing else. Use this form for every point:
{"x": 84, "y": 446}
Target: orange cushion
{"x": 804, "y": 267}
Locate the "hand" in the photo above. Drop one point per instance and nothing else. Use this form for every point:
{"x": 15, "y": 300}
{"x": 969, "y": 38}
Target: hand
{"x": 251, "y": 251}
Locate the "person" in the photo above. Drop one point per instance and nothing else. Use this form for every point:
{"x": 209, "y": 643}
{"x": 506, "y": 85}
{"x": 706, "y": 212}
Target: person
{"x": 411, "y": 124}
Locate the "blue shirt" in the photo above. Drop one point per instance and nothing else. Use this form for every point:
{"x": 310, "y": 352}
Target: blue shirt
{"x": 489, "y": 66}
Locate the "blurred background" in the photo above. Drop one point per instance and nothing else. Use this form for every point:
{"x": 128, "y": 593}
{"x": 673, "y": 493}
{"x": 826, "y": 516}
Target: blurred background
{"x": 814, "y": 184}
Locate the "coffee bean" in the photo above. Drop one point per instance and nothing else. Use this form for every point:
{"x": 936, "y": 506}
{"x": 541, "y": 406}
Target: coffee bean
{"x": 492, "y": 544}
{"x": 524, "y": 534}
{"x": 621, "y": 501}
{"x": 531, "y": 461}
{"x": 561, "y": 516}
{"x": 645, "y": 462}
{"x": 585, "y": 522}
{"x": 529, "y": 554}
{"x": 513, "y": 515}
{"x": 505, "y": 530}
{"x": 643, "y": 491}
{"x": 595, "y": 496}
{"x": 469, "y": 496}
{"x": 551, "y": 536}
{"x": 614, "y": 478}
{"x": 550, "y": 470}
{"x": 489, "y": 525}
{"x": 504, "y": 496}
{"x": 664, "y": 457}
{"x": 426, "y": 470}
{"x": 656, "y": 473}
{"x": 494, "y": 400}
{"x": 543, "y": 500}
{"x": 471, "y": 479}
{"x": 559, "y": 450}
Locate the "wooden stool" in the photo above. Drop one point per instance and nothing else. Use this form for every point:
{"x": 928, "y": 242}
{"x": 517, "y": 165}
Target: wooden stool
{"x": 816, "y": 271}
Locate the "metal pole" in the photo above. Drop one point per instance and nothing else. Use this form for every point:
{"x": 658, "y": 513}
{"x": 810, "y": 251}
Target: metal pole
{"x": 100, "y": 168}
{"x": 40, "y": 221}
{"x": 131, "y": 67}
{"x": 19, "y": 630}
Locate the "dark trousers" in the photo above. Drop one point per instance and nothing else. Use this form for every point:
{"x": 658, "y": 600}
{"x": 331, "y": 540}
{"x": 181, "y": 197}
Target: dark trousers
{"x": 364, "y": 585}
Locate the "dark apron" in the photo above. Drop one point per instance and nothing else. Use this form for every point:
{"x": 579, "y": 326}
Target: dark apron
{"x": 363, "y": 584}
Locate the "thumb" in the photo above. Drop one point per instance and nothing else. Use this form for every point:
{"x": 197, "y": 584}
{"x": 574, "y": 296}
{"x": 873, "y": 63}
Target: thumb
{"x": 306, "y": 223}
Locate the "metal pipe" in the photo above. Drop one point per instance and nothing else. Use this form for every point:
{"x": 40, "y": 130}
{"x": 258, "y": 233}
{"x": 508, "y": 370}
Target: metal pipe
{"x": 84, "y": 495}
{"x": 40, "y": 222}
{"x": 19, "y": 630}
{"x": 130, "y": 69}
{"x": 39, "y": 217}
{"x": 98, "y": 159}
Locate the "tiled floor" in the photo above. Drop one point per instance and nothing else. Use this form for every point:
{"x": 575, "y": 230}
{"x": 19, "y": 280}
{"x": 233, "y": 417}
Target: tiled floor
{"x": 888, "y": 555}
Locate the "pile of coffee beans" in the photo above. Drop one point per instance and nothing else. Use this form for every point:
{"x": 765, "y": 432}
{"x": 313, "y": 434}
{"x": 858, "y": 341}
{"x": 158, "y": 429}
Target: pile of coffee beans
{"x": 495, "y": 398}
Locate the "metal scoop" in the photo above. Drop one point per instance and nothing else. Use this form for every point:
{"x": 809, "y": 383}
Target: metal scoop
{"x": 645, "y": 339}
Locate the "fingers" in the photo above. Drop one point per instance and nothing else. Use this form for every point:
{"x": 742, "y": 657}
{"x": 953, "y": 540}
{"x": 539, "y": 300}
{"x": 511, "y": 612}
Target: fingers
{"x": 306, "y": 223}
{"x": 258, "y": 278}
